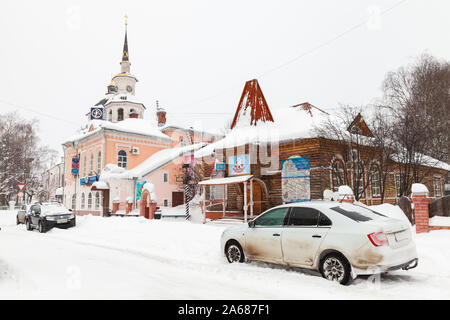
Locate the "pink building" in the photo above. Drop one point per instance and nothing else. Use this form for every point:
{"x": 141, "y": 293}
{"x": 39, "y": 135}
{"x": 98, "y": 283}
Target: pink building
{"x": 120, "y": 150}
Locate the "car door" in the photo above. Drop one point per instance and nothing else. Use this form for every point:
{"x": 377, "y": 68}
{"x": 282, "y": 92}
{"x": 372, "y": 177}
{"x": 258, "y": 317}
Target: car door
{"x": 263, "y": 240}
{"x": 34, "y": 214}
{"x": 305, "y": 230}
{"x": 21, "y": 213}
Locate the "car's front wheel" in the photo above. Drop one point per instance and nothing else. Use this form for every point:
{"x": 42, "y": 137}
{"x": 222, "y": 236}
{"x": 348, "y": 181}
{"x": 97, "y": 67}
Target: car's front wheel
{"x": 335, "y": 267}
{"x": 41, "y": 227}
{"x": 234, "y": 253}
{"x": 28, "y": 224}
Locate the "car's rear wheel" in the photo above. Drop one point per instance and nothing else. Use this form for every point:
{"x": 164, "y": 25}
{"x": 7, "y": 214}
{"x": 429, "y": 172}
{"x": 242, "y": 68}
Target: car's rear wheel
{"x": 234, "y": 252}
{"x": 335, "y": 267}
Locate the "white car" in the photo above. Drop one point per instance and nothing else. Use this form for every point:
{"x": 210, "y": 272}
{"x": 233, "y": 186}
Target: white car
{"x": 340, "y": 240}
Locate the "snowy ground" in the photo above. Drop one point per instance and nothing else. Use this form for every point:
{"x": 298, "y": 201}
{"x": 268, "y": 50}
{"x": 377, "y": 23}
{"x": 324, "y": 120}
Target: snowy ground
{"x": 134, "y": 258}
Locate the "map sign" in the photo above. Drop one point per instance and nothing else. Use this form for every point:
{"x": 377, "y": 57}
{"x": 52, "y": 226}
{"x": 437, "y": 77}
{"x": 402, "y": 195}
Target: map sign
{"x": 295, "y": 180}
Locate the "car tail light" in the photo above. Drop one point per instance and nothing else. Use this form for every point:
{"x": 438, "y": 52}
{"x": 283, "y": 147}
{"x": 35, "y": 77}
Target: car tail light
{"x": 378, "y": 239}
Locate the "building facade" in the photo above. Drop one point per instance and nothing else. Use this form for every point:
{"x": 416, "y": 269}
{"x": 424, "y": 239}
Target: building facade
{"x": 120, "y": 140}
{"x": 269, "y": 160}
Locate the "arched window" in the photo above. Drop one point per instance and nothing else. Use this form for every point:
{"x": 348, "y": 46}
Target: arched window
{"x": 97, "y": 201}
{"x": 338, "y": 174}
{"x": 91, "y": 164}
{"x": 122, "y": 159}
{"x": 358, "y": 181}
{"x": 99, "y": 162}
{"x": 84, "y": 166}
{"x": 110, "y": 115}
{"x": 74, "y": 202}
{"x": 83, "y": 200}
{"x": 120, "y": 114}
{"x": 90, "y": 201}
{"x": 375, "y": 181}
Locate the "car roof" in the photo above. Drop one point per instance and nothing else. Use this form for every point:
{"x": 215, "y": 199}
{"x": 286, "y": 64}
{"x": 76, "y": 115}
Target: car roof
{"x": 314, "y": 204}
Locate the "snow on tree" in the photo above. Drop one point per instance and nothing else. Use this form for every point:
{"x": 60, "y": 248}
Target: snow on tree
{"x": 22, "y": 159}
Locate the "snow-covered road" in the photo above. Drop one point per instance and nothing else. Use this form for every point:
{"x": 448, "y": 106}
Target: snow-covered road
{"x": 134, "y": 258}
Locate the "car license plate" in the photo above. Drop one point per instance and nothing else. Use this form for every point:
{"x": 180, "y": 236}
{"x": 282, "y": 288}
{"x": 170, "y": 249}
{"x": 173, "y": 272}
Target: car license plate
{"x": 400, "y": 236}
{"x": 62, "y": 221}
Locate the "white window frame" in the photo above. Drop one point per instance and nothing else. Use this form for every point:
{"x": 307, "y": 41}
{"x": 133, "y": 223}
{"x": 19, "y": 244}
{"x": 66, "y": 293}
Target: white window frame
{"x": 97, "y": 201}
{"x": 89, "y": 201}
{"x": 439, "y": 184}
{"x": 120, "y": 163}
{"x": 83, "y": 201}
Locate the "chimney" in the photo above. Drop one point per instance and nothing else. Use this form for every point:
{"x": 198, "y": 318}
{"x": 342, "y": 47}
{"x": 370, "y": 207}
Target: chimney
{"x": 160, "y": 114}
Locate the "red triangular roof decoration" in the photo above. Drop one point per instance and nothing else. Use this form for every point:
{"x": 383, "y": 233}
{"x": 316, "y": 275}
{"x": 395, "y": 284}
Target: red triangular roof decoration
{"x": 252, "y": 101}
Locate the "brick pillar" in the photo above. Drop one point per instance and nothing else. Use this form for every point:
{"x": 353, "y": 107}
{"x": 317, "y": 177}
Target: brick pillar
{"x": 141, "y": 208}
{"x": 421, "y": 200}
{"x": 115, "y": 207}
{"x": 152, "y": 209}
{"x": 129, "y": 207}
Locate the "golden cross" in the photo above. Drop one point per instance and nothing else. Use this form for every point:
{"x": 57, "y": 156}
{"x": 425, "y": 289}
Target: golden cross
{"x": 126, "y": 20}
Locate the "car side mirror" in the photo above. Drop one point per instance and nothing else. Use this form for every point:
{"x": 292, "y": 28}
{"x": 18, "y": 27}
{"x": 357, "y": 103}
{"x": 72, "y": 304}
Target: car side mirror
{"x": 251, "y": 224}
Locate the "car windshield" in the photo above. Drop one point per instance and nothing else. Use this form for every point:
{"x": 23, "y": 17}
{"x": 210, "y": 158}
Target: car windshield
{"x": 357, "y": 213}
{"x": 50, "y": 209}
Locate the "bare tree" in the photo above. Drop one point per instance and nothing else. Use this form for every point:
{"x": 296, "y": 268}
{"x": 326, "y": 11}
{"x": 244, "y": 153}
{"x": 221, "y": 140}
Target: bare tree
{"x": 358, "y": 146}
{"x": 22, "y": 160}
{"x": 419, "y": 97}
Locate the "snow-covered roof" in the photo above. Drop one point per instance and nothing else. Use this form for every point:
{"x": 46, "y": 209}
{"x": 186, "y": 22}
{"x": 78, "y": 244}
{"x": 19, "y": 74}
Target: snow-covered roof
{"x": 130, "y": 125}
{"x": 122, "y": 97}
{"x": 149, "y": 165}
{"x": 100, "y": 185}
{"x": 161, "y": 158}
{"x": 223, "y": 181}
{"x": 290, "y": 124}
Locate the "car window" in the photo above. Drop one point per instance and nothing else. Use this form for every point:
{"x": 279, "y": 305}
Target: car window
{"x": 302, "y": 216}
{"x": 274, "y": 217}
{"x": 358, "y": 214}
{"x": 324, "y": 221}
{"x": 35, "y": 209}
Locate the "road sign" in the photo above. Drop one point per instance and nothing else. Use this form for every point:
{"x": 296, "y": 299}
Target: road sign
{"x": 20, "y": 194}
{"x": 21, "y": 186}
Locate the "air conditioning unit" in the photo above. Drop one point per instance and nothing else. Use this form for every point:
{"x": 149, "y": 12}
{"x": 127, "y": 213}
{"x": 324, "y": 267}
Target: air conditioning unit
{"x": 134, "y": 150}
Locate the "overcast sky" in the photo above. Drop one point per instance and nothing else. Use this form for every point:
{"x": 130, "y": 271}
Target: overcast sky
{"x": 194, "y": 56}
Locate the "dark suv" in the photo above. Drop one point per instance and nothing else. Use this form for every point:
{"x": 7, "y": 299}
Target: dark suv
{"x": 47, "y": 215}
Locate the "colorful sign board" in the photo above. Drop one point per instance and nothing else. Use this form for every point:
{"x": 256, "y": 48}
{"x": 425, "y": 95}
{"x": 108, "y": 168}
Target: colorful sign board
{"x": 220, "y": 166}
{"x": 139, "y": 188}
{"x": 295, "y": 180}
{"x": 88, "y": 180}
{"x": 75, "y": 165}
{"x": 238, "y": 165}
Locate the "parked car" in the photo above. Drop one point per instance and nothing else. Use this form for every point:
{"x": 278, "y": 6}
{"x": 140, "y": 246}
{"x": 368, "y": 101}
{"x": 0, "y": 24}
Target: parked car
{"x": 44, "y": 216}
{"x": 22, "y": 213}
{"x": 340, "y": 240}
